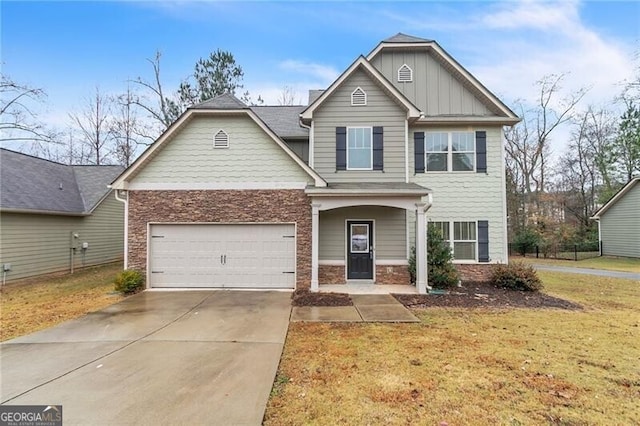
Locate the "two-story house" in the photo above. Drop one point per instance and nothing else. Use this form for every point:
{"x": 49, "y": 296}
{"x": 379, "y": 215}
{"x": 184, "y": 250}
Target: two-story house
{"x": 335, "y": 191}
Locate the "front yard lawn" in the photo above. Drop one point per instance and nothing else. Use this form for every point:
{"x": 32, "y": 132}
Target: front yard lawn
{"x": 472, "y": 366}
{"x": 622, "y": 264}
{"x": 36, "y": 303}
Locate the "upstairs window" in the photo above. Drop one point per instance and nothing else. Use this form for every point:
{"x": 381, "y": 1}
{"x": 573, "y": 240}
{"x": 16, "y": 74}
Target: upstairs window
{"x": 405, "y": 74}
{"x": 221, "y": 139}
{"x": 449, "y": 151}
{"x": 358, "y": 97}
{"x": 359, "y": 148}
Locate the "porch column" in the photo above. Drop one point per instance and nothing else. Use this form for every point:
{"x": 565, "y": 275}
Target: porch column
{"x": 421, "y": 249}
{"x": 315, "y": 232}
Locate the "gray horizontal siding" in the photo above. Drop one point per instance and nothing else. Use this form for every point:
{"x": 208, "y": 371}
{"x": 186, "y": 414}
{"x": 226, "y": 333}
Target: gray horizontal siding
{"x": 467, "y": 196}
{"x": 434, "y": 90}
{"x": 389, "y": 231}
{"x": 380, "y": 110}
{"x": 620, "y": 226}
{"x": 39, "y": 244}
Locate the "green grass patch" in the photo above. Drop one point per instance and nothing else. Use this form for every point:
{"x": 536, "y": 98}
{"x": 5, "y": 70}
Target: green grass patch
{"x": 622, "y": 264}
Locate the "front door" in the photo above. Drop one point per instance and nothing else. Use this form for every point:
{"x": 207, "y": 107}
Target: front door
{"x": 360, "y": 250}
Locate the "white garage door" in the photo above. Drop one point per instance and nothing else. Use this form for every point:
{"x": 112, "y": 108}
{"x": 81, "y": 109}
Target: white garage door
{"x": 222, "y": 256}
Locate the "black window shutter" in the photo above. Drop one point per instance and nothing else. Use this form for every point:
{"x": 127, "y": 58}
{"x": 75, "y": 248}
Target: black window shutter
{"x": 481, "y": 152}
{"x": 418, "y": 139}
{"x": 483, "y": 241}
{"x": 378, "y": 161}
{"x": 341, "y": 148}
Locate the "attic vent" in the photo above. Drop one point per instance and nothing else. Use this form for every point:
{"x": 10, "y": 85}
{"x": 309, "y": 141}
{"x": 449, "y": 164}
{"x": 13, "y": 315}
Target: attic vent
{"x": 221, "y": 139}
{"x": 358, "y": 97}
{"x": 405, "y": 74}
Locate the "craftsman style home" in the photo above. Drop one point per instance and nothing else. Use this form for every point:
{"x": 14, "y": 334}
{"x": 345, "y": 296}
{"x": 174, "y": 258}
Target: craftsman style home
{"x": 332, "y": 192}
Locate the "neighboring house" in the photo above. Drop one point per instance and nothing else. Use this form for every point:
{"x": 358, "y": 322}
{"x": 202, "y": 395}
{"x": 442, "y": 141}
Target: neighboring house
{"x": 335, "y": 191}
{"x": 619, "y": 222}
{"x": 55, "y": 217}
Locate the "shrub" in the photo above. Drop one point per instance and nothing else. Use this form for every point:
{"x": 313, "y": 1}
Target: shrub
{"x": 441, "y": 271}
{"x": 129, "y": 281}
{"x": 516, "y": 276}
{"x": 412, "y": 265}
{"x": 526, "y": 240}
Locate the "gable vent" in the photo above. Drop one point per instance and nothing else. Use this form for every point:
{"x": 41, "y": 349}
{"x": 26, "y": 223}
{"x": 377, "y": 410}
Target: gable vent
{"x": 358, "y": 97}
{"x": 221, "y": 139}
{"x": 405, "y": 74}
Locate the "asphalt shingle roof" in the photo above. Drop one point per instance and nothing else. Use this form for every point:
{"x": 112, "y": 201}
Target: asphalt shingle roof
{"x": 224, "y": 101}
{"x": 31, "y": 183}
{"x": 404, "y": 38}
{"x": 283, "y": 120}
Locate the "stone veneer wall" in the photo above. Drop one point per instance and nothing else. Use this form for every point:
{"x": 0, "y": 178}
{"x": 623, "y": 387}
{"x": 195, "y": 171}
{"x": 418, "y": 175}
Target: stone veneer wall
{"x": 396, "y": 274}
{"x": 474, "y": 272}
{"x": 224, "y": 206}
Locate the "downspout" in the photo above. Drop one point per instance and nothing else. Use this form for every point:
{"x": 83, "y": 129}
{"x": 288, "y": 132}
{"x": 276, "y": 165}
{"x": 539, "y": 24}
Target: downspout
{"x": 310, "y": 129}
{"x": 126, "y": 226}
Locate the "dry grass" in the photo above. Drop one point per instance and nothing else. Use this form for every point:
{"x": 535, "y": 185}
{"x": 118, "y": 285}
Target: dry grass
{"x": 37, "y": 303}
{"x": 623, "y": 264}
{"x": 472, "y": 366}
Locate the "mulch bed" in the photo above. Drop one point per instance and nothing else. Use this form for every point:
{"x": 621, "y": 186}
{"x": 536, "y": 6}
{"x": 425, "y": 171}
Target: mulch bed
{"x": 470, "y": 295}
{"x": 307, "y": 298}
{"x": 485, "y": 295}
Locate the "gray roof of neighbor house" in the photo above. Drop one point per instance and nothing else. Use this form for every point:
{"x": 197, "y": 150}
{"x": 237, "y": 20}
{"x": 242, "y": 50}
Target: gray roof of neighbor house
{"x": 404, "y": 38}
{"x": 29, "y": 183}
{"x": 283, "y": 120}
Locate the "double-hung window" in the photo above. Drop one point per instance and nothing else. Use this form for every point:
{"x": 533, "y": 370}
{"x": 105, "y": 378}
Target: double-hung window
{"x": 449, "y": 151}
{"x": 359, "y": 148}
{"x": 464, "y": 241}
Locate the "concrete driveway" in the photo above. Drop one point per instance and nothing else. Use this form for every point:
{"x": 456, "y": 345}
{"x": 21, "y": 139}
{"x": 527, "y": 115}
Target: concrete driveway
{"x": 191, "y": 357}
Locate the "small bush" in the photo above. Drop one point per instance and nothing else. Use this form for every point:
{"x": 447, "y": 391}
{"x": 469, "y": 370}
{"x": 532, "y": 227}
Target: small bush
{"x": 526, "y": 240}
{"x": 129, "y": 281}
{"x": 516, "y": 276}
{"x": 441, "y": 272}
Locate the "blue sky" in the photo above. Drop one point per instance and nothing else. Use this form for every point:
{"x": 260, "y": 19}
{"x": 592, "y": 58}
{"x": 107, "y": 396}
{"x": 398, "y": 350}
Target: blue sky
{"x": 69, "y": 48}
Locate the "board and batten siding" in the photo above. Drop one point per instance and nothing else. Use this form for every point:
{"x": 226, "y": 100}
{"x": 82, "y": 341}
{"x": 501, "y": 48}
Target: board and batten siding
{"x": 252, "y": 156}
{"x": 337, "y": 111}
{"x": 37, "y": 244}
{"x": 434, "y": 90}
{"x": 467, "y": 196}
{"x": 620, "y": 226}
{"x": 389, "y": 231}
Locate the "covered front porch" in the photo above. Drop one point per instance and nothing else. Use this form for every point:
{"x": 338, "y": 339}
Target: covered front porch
{"x": 360, "y": 237}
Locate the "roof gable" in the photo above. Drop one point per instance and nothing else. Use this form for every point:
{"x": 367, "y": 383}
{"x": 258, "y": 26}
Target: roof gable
{"x": 401, "y": 41}
{"x": 34, "y": 184}
{"x": 376, "y": 76}
{"x": 122, "y": 182}
{"x": 617, "y": 197}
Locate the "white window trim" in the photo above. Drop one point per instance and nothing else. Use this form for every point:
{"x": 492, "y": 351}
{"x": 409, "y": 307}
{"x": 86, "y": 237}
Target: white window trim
{"x": 347, "y": 142}
{"x": 214, "y": 139}
{"x": 452, "y": 239}
{"x": 410, "y": 74}
{"x": 363, "y": 93}
{"x": 449, "y": 153}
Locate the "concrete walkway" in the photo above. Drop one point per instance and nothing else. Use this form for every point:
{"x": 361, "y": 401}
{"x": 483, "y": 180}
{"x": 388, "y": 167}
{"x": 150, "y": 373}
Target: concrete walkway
{"x": 588, "y": 271}
{"x": 366, "y": 308}
{"x": 162, "y": 358}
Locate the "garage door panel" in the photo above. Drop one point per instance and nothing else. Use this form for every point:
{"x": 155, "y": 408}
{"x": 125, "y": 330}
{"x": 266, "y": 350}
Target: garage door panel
{"x": 233, "y": 256}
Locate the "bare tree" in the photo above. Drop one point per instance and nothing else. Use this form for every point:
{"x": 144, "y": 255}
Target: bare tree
{"x": 18, "y": 120}
{"x": 127, "y": 129}
{"x": 93, "y": 126}
{"x": 287, "y": 96}
{"x": 527, "y": 144}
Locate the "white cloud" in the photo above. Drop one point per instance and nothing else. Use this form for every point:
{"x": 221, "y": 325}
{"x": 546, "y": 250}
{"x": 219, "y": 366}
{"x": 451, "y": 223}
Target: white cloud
{"x": 325, "y": 74}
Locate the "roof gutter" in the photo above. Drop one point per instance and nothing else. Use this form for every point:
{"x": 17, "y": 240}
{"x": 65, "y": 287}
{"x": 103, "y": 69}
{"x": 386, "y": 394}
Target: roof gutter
{"x": 43, "y": 212}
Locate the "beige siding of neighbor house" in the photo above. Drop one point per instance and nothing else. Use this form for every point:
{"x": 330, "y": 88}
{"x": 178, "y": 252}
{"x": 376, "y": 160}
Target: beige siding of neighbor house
{"x": 337, "y": 111}
{"x": 620, "y": 226}
{"x": 252, "y": 156}
{"x": 467, "y": 196}
{"x": 389, "y": 232}
{"x": 434, "y": 89}
{"x": 36, "y": 244}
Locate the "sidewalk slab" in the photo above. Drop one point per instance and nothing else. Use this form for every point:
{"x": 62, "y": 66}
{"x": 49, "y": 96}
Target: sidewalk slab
{"x": 325, "y": 314}
{"x": 373, "y": 299}
{"x": 386, "y": 313}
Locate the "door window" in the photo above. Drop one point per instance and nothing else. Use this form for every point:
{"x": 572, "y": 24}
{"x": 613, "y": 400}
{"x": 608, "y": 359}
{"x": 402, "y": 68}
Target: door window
{"x": 360, "y": 238}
